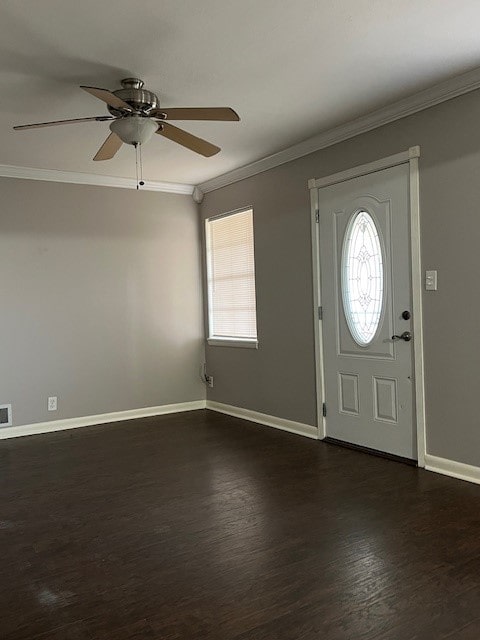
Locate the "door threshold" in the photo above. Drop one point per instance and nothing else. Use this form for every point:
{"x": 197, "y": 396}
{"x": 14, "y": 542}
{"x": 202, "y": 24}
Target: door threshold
{"x": 372, "y": 452}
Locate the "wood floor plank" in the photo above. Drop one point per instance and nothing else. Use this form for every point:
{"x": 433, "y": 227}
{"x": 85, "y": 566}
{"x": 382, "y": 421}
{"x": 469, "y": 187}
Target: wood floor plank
{"x": 203, "y": 526}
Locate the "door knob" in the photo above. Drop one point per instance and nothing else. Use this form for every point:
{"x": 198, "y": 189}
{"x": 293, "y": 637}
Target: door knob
{"x": 406, "y": 335}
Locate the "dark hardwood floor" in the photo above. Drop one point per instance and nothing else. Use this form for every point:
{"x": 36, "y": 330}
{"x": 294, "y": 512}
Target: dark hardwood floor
{"x": 199, "y": 526}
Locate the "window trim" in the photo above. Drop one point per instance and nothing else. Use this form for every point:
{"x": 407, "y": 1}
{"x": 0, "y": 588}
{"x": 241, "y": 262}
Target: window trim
{"x": 246, "y": 343}
{"x": 227, "y": 341}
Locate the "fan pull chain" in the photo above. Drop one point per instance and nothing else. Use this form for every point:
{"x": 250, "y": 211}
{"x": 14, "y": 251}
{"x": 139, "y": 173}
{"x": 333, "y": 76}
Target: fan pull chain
{"x": 141, "y": 167}
{"x": 136, "y": 163}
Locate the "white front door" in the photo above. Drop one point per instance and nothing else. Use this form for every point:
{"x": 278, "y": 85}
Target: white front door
{"x": 366, "y": 297}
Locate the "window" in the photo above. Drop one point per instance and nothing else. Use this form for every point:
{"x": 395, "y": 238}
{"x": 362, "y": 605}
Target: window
{"x": 362, "y": 278}
{"x": 232, "y": 317}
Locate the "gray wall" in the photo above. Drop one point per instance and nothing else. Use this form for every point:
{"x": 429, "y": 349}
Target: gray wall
{"x": 279, "y": 379}
{"x": 100, "y": 299}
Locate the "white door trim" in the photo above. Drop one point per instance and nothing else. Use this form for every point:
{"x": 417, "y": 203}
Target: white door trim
{"x": 411, "y": 157}
{"x": 317, "y": 324}
{"x": 365, "y": 169}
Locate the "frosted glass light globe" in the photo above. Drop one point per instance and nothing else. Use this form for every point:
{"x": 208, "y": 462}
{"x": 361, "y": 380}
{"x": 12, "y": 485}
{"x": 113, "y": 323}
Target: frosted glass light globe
{"x": 134, "y": 129}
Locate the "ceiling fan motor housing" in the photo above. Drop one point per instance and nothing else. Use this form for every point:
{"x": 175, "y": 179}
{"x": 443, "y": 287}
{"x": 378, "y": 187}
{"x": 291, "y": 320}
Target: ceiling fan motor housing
{"x": 136, "y": 96}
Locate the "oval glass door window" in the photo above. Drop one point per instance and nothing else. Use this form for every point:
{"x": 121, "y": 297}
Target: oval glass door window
{"x": 362, "y": 278}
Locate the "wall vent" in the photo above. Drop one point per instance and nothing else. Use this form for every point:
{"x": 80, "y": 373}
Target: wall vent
{"x": 5, "y": 415}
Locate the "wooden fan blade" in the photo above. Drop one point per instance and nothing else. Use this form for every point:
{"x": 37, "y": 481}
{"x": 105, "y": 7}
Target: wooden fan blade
{"x": 108, "y": 97}
{"x": 109, "y": 148}
{"x": 54, "y": 123}
{"x": 187, "y": 140}
{"x": 196, "y": 113}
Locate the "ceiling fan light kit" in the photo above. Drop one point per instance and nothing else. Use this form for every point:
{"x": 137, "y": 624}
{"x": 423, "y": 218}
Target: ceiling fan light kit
{"x": 134, "y": 129}
{"x": 136, "y": 115}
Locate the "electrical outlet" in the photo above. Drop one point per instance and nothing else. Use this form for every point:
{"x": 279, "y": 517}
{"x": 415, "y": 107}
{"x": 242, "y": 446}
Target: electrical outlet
{"x": 210, "y": 381}
{"x": 431, "y": 280}
{"x": 5, "y": 415}
{"x": 52, "y": 403}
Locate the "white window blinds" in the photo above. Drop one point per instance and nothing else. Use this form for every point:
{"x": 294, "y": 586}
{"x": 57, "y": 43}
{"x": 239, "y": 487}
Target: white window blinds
{"x": 231, "y": 276}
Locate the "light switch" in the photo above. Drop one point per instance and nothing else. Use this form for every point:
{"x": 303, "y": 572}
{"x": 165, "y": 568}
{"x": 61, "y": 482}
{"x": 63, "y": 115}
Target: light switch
{"x": 431, "y": 280}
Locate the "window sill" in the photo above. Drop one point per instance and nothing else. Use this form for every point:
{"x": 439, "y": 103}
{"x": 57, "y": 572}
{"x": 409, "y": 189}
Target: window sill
{"x": 233, "y": 342}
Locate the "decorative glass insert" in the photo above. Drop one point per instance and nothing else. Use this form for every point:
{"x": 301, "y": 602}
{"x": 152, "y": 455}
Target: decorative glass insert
{"x": 362, "y": 278}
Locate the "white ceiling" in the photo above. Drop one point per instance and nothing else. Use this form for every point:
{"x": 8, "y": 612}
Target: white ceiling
{"x": 290, "y": 69}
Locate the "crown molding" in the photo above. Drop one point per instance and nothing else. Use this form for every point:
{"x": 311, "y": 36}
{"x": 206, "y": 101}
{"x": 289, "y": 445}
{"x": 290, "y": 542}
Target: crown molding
{"x": 197, "y": 195}
{"x": 430, "y": 97}
{"x": 52, "y": 175}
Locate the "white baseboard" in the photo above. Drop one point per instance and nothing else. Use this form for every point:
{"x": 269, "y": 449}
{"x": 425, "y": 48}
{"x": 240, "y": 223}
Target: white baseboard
{"x": 262, "y": 418}
{"x": 451, "y": 468}
{"x": 102, "y": 418}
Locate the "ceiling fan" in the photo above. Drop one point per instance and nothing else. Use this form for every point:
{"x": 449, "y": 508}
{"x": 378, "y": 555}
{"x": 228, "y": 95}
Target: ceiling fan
{"x": 136, "y": 115}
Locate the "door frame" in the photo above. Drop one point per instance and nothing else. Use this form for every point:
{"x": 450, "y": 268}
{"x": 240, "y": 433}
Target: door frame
{"x": 411, "y": 157}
